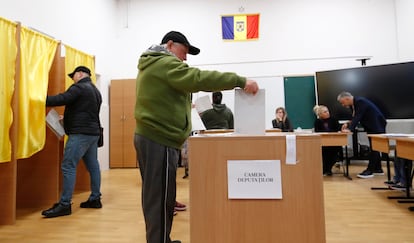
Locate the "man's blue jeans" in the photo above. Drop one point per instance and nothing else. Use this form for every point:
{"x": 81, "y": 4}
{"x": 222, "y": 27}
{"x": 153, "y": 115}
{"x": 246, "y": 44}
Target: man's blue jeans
{"x": 400, "y": 170}
{"x": 80, "y": 146}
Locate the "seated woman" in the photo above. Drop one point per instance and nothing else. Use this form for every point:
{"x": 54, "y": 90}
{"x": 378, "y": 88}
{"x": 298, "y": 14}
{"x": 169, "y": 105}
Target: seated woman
{"x": 282, "y": 121}
{"x": 326, "y": 123}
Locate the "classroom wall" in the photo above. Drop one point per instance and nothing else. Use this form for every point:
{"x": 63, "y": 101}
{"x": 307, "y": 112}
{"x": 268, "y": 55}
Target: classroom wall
{"x": 405, "y": 33}
{"x": 296, "y": 37}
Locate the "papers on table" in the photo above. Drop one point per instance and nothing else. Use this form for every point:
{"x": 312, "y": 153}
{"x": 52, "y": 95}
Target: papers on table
{"x": 399, "y": 135}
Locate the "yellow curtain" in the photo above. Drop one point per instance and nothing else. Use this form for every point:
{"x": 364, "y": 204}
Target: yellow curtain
{"x": 8, "y": 50}
{"x": 37, "y": 53}
{"x": 74, "y": 58}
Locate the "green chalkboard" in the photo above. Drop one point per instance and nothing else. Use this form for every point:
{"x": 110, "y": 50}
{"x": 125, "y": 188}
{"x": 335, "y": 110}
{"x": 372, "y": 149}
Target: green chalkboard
{"x": 299, "y": 100}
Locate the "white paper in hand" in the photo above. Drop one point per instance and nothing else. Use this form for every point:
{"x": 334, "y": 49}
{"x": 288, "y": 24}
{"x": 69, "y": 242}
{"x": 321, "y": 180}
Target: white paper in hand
{"x": 202, "y": 104}
{"x": 53, "y": 122}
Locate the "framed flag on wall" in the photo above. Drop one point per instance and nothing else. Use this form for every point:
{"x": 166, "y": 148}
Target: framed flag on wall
{"x": 240, "y": 27}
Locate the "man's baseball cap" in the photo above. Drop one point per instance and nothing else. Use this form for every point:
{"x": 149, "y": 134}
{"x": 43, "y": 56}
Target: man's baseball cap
{"x": 80, "y": 69}
{"x": 176, "y": 36}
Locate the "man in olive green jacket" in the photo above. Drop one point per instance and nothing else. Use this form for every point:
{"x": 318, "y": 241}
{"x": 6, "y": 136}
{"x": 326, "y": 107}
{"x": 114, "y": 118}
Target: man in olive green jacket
{"x": 163, "y": 122}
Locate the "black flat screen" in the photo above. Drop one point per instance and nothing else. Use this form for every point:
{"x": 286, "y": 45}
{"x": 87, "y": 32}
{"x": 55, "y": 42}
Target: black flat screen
{"x": 390, "y": 87}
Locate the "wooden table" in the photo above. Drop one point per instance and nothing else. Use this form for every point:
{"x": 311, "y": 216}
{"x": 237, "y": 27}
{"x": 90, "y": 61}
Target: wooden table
{"x": 381, "y": 143}
{"x": 405, "y": 147}
{"x": 337, "y": 139}
{"x": 385, "y": 143}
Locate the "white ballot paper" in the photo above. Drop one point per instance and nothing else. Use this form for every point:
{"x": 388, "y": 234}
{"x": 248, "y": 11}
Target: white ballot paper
{"x": 249, "y": 112}
{"x": 202, "y": 104}
{"x": 53, "y": 122}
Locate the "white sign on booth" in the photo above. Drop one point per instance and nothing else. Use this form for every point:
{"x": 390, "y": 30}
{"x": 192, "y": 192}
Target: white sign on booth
{"x": 254, "y": 179}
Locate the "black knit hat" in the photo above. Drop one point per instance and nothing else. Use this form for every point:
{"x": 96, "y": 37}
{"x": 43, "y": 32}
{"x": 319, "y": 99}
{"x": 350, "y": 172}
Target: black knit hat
{"x": 176, "y": 36}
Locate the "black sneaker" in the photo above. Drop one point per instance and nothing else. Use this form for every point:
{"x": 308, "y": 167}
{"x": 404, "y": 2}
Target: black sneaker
{"x": 176, "y": 241}
{"x": 57, "y": 210}
{"x": 365, "y": 174}
{"x": 390, "y": 183}
{"x": 378, "y": 172}
{"x": 328, "y": 173}
{"x": 91, "y": 204}
{"x": 398, "y": 187}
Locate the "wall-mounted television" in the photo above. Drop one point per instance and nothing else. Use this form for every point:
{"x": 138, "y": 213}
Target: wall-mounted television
{"x": 390, "y": 87}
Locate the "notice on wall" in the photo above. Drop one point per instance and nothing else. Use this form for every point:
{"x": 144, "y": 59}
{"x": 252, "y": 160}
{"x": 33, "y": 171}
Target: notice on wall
{"x": 254, "y": 179}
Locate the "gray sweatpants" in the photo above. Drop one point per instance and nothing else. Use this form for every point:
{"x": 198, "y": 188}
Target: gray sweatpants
{"x": 158, "y": 167}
